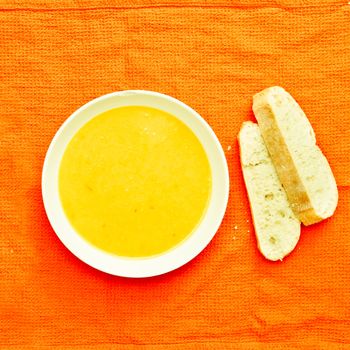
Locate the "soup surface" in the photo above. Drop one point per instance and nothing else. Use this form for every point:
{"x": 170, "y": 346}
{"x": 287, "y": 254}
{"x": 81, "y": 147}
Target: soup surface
{"x": 134, "y": 181}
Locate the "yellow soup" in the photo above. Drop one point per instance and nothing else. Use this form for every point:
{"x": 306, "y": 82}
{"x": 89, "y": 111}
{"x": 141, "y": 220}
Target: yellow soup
{"x": 134, "y": 181}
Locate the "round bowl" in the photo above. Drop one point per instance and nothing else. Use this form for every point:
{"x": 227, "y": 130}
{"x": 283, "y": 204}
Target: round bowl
{"x": 136, "y": 267}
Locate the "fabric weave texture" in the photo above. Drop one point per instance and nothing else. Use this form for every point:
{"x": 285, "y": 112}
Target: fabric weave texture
{"x": 214, "y": 56}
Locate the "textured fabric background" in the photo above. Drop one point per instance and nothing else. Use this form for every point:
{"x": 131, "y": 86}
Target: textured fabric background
{"x": 213, "y": 55}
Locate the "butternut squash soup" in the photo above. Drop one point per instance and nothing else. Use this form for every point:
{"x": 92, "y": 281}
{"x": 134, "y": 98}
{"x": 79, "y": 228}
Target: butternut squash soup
{"x": 134, "y": 181}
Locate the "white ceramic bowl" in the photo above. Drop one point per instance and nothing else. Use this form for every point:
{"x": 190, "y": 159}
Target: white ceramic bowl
{"x": 136, "y": 267}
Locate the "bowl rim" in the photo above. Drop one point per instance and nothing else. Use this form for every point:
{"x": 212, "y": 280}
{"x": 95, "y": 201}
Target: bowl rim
{"x": 143, "y": 266}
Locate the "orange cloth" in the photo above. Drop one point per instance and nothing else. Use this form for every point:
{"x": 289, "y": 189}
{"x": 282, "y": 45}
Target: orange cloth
{"x": 213, "y": 55}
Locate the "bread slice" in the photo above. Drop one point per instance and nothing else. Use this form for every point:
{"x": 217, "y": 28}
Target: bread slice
{"x": 277, "y": 228}
{"x": 301, "y": 166}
